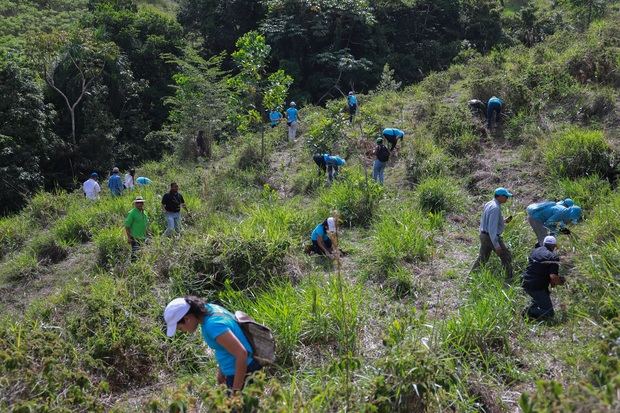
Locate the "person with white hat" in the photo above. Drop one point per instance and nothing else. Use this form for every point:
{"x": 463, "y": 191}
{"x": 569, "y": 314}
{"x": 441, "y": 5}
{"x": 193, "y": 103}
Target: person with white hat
{"x": 322, "y": 243}
{"x": 292, "y": 120}
{"x": 491, "y": 227}
{"x": 542, "y": 272}
{"x": 136, "y": 226}
{"x": 222, "y": 333}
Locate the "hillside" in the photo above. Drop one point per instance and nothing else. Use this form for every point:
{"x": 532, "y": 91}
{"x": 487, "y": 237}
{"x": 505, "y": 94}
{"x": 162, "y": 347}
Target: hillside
{"x": 398, "y": 323}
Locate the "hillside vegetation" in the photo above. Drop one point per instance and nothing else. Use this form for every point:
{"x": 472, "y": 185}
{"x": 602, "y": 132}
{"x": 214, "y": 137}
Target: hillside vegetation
{"x": 398, "y": 323}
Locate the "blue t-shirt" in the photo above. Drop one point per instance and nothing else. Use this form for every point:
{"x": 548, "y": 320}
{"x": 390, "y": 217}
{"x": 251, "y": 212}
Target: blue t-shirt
{"x": 393, "y": 132}
{"x": 319, "y": 231}
{"x": 274, "y": 117}
{"x": 220, "y": 321}
{"x": 116, "y": 184}
{"x": 333, "y": 160}
{"x": 143, "y": 180}
{"x": 291, "y": 114}
{"x": 352, "y": 99}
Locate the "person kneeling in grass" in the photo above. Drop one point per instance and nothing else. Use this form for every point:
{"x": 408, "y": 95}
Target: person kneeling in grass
{"x": 222, "y": 333}
{"x": 542, "y": 272}
{"x": 322, "y": 243}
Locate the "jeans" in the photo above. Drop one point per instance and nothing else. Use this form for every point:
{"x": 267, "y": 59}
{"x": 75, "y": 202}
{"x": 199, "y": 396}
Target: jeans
{"x": 539, "y": 229}
{"x": 173, "y": 223}
{"x": 136, "y": 244}
{"x": 377, "y": 171}
{"x": 493, "y": 111}
{"x": 292, "y": 131}
{"x": 252, "y": 367}
{"x": 541, "y": 306}
{"x": 332, "y": 172}
{"x": 352, "y": 112}
{"x": 486, "y": 248}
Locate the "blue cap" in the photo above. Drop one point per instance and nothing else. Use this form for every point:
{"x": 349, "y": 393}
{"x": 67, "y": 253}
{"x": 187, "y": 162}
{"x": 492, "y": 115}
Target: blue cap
{"x": 502, "y": 192}
{"x": 94, "y": 175}
{"x": 568, "y": 202}
{"x": 574, "y": 213}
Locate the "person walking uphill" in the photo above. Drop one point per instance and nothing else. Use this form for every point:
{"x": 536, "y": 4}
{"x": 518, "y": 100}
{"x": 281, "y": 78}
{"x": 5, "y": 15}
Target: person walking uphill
{"x": 494, "y": 110}
{"x": 292, "y": 120}
{"x": 383, "y": 156}
{"x": 91, "y": 187}
{"x": 115, "y": 183}
{"x": 130, "y": 179}
{"x": 392, "y": 135}
{"x": 491, "y": 227}
{"x": 545, "y": 217}
{"x": 171, "y": 203}
{"x": 220, "y": 331}
{"x": 352, "y": 103}
{"x": 136, "y": 225}
{"x": 542, "y": 271}
{"x": 275, "y": 117}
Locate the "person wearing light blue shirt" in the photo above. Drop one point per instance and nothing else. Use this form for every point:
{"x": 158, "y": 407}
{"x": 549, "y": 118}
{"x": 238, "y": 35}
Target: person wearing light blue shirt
{"x": 222, "y": 333}
{"x": 491, "y": 228}
{"x": 333, "y": 162}
{"x": 546, "y": 217}
{"x": 143, "y": 181}
{"x": 494, "y": 110}
{"x": 292, "y": 120}
{"x": 115, "y": 183}
{"x": 352, "y": 102}
{"x": 275, "y": 117}
{"x": 392, "y": 135}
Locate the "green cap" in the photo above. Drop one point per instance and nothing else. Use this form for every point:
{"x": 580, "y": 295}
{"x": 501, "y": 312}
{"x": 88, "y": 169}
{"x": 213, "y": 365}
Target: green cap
{"x": 379, "y": 140}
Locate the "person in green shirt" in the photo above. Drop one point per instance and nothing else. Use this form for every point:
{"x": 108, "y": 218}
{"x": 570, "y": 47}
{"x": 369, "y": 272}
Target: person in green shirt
{"x": 136, "y": 225}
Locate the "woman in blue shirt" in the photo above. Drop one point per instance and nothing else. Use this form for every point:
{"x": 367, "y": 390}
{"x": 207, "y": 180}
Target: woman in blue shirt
{"x": 220, "y": 331}
{"x": 321, "y": 242}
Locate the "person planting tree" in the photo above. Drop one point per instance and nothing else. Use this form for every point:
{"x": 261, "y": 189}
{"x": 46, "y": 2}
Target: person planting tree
{"x": 321, "y": 237}
{"x": 222, "y": 333}
{"x": 541, "y": 273}
{"x": 393, "y": 135}
{"x": 494, "y": 110}
{"x": 550, "y": 217}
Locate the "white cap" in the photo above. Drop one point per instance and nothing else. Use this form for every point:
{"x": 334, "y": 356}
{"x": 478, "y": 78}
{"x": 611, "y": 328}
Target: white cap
{"x": 174, "y": 312}
{"x": 293, "y": 104}
{"x": 331, "y": 224}
{"x": 549, "y": 240}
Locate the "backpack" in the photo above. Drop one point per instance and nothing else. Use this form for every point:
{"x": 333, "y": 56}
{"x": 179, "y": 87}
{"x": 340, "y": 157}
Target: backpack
{"x": 260, "y": 338}
{"x": 383, "y": 154}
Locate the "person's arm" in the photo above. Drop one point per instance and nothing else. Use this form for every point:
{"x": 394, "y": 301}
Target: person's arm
{"x": 552, "y": 223}
{"x": 321, "y": 243}
{"x": 493, "y": 219}
{"x": 183, "y": 203}
{"x": 232, "y": 344}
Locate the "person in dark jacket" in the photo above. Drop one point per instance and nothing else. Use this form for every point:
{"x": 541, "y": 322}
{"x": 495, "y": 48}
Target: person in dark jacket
{"x": 171, "y": 204}
{"x": 383, "y": 156}
{"x": 541, "y": 273}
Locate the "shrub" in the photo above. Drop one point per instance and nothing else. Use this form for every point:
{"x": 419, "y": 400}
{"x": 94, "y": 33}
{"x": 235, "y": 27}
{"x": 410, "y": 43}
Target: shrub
{"x": 439, "y": 194}
{"x": 48, "y": 250}
{"x": 453, "y": 129}
{"x": 22, "y": 267}
{"x": 45, "y": 207}
{"x": 426, "y": 160}
{"x": 578, "y": 152}
{"x": 111, "y": 247}
{"x": 587, "y": 191}
{"x": 400, "y": 281}
{"x": 13, "y": 233}
{"x": 353, "y": 196}
{"x": 307, "y": 180}
{"x": 249, "y": 157}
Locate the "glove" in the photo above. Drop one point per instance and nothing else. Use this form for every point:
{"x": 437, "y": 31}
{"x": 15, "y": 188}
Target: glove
{"x": 565, "y": 231}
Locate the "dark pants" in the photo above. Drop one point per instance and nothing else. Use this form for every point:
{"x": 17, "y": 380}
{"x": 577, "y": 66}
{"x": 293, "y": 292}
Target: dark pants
{"x": 318, "y": 250}
{"x": 332, "y": 172}
{"x": 486, "y": 248}
{"x": 320, "y": 162}
{"x": 352, "y": 112}
{"x": 393, "y": 140}
{"x": 135, "y": 247}
{"x": 252, "y": 367}
{"x": 541, "y": 307}
{"x": 493, "y": 112}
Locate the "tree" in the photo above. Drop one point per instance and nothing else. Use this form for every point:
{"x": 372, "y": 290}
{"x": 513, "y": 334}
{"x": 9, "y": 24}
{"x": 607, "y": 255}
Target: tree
{"x": 253, "y": 88}
{"x": 69, "y": 63}
{"x": 482, "y": 23}
{"x": 586, "y": 10}
{"x": 25, "y": 136}
{"x": 387, "y": 83}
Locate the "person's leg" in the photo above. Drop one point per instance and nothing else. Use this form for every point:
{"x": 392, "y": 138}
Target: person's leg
{"x": 539, "y": 229}
{"x": 489, "y": 114}
{"x": 498, "y": 114}
{"x": 375, "y": 170}
{"x": 177, "y": 222}
{"x": 506, "y": 258}
{"x": 336, "y": 169}
{"x": 294, "y": 126}
{"x": 135, "y": 247}
{"x": 316, "y": 248}
{"x": 541, "y": 307}
{"x": 330, "y": 173}
{"x": 169, "y": 224}
{"x": 486, "y": 247}
{"x": 381, "y": 171}
{"x": 328, "y": 244}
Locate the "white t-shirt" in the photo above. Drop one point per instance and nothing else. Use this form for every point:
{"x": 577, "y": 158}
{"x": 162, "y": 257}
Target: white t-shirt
{"x": 128, "y": 181}
{"x": 91, "y": 189}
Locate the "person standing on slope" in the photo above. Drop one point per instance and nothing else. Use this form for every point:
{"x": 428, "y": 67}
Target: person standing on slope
{"x": 382, "y": 157}
{"x": 115, "y": 183}
{"x": 275, "y": 117}
{"x": 136, "y": 226}
{"x": 91, "y": 187}
{"x": 171, "y": 203}
{"x": 541, "y": 273}
{"x": 393, "y": 135}
{"x": 491, "y": 227}
{"x": 292, "y": 120}
{"x": 494, "y": 110}
{"x": 130, "y": 179}
{"x": 352, "y": 103}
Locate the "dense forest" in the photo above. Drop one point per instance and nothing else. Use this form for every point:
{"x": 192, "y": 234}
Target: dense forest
{"x": 92, "y": 84}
